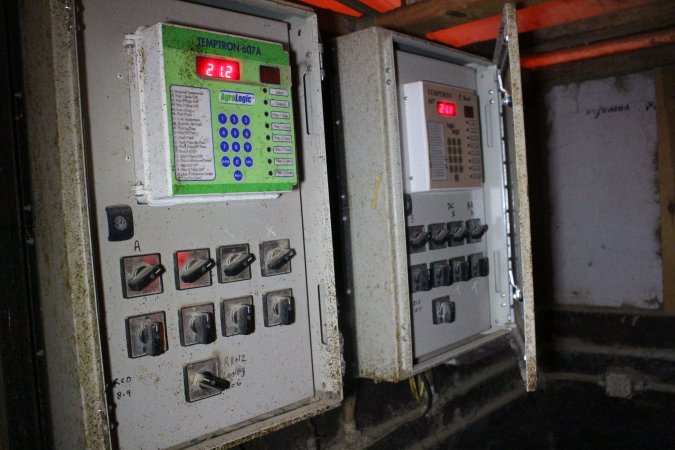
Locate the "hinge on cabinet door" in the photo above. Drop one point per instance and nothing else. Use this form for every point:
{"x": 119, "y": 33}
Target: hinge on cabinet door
{"x": 322, "y": 71}
{"x": 517, "y": 293}
{"x": 506, "y": 97}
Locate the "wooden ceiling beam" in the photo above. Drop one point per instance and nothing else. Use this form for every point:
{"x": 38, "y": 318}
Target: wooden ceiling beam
{"x": 603, "y": 67}
{"x": 641, "y": 19}
{"x": 427, "y": 16}
{"x": 600, "y": 49}
{"x": 356, "y": 5}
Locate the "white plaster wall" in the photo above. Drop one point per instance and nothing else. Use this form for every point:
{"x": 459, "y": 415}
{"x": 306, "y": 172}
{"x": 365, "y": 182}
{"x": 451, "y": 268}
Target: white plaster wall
{"x": 604, "y": 193}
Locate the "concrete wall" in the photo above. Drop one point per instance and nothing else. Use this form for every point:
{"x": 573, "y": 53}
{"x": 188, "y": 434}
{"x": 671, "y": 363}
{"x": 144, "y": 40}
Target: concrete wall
{"x": 603, "y": 193}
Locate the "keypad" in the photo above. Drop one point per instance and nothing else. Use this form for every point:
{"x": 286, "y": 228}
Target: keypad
{"x": 455, "y": 155}
{"x": 239, "y": 131}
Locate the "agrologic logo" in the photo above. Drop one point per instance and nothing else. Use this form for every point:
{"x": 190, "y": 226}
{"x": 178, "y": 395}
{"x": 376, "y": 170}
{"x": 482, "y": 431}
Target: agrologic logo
{"x": 237, "y": 98}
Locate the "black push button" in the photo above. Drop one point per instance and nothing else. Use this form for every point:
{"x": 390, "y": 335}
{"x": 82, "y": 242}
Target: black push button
{"x": 120, "y": 222}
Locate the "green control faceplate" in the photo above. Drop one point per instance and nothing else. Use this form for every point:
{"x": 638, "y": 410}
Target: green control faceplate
{"x": 228, "y": 136}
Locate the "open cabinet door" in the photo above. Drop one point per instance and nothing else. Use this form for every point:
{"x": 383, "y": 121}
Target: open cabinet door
{"x": 507, "y": 59}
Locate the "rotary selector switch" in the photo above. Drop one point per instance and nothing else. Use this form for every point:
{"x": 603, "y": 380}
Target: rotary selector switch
{"x": 275, "y": 257}
{"x": 202, "y": 380}
{"x": 146, "y": 335}
{"x": 460, "y": 269}
{"x": 443, "y": 310}
{"x": 234, "y": 263}
{"x": 457, "y": 233}
{"x": 278, "y": 308}
{"x": 141, "y": 275}
{"x": 237, "y": 316}
{"x": 197, "y": 325}
{"x": 417, "y": 239}
{"x": 193, "y": 268}
{"x": 476, "y": 230}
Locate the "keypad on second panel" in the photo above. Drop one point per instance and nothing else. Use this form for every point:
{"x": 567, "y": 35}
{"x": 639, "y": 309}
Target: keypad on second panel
{"x": 455, "y": 155}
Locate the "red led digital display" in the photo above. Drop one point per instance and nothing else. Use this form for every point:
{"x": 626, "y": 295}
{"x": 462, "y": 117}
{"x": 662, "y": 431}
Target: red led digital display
{"x": 446, "y": 109}
{"x": 222, "y": 69}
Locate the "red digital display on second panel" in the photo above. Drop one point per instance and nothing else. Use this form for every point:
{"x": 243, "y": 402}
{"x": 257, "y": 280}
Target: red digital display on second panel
{"x": 446, "y": 109}
{"x": 222, "y": 69}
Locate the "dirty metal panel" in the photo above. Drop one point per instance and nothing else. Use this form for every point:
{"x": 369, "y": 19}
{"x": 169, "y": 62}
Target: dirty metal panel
{"x": 62, "y": 233}
{"x": 292, "y": 369}
{"x": 376, "y": 218}
{"x": 388, "y": 299}
{"x": 507, "y": 58}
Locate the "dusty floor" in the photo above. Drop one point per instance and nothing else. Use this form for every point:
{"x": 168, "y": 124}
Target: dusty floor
{"x": 575, "y": 416}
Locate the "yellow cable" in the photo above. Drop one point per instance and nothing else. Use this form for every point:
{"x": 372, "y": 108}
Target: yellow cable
{"x": 413, "y": 388}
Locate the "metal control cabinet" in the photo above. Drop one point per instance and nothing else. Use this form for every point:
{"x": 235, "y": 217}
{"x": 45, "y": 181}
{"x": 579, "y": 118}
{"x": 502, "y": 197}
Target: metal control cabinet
{"x": 436, "y": 211}
{"x": 202, "y": 131}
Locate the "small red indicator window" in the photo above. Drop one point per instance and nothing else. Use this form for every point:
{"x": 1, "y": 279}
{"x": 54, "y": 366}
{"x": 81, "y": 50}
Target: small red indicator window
{"x": 270, "y": 75}
{"x": 446, "y": 109}
{"x": 222, "y": 69}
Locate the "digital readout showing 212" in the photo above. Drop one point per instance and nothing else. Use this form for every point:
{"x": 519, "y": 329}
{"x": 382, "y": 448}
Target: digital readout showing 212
{"x": 223, "y": 69}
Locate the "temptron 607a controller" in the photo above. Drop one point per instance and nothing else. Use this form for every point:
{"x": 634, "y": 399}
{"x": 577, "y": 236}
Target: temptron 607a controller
{"x": 216, "y": 116}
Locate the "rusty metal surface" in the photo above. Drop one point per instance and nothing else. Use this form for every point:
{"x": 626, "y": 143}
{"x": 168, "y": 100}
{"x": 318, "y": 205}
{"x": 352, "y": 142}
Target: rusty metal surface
{"x": 62, "y": 231}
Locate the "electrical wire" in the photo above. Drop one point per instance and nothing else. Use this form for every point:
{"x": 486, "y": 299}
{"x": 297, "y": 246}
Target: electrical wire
{"x": 417, "y": 387}
{"x": 429, "y": 393}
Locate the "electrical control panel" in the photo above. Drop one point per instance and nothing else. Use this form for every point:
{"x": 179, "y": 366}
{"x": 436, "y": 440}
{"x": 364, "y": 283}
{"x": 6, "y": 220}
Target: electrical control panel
{"x": 214, "y": 256}
{"x": 435, "y": 223}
